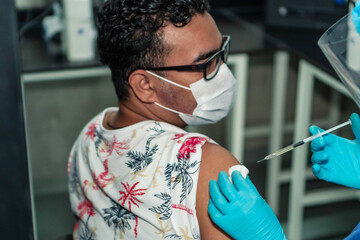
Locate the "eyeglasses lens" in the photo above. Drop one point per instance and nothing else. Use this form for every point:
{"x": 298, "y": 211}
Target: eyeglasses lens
{"x": 226, "y": 52}
{"x": 212, "y": 67}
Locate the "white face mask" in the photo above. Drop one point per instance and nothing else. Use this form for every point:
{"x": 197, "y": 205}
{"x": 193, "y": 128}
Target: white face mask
{"x": 214, "y": 97}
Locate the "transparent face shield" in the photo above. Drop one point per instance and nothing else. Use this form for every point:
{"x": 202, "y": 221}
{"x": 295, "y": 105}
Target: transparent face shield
{"x": 341, "y": 46}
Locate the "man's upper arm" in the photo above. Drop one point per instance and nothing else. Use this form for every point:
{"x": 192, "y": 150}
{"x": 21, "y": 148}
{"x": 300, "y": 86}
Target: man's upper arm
{"x": 214, "y": 159}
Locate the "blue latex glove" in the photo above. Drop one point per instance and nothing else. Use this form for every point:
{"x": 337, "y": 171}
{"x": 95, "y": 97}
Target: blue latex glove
{"x": 355, "y": 234}
{"x": 356, "y": 16}
{"x": 336, "y": 159}
{"x": 240, "y": 211}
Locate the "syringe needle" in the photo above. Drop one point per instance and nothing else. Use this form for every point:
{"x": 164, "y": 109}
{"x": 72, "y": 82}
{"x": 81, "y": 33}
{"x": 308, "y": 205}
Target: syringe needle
{"x": 281, "y": 151}
{"x": 306, "y": 140}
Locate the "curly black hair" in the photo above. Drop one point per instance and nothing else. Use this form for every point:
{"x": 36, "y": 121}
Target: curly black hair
{"x": 130, "y": 35}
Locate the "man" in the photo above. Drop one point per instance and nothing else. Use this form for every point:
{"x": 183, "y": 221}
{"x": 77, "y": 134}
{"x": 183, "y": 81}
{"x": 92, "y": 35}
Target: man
{"x": 134, "y": 173}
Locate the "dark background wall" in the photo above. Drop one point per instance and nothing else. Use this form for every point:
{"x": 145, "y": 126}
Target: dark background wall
{"x": 15, "y": 204}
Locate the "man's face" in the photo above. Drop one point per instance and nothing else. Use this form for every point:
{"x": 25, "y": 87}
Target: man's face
{"x": 192, "y": 44}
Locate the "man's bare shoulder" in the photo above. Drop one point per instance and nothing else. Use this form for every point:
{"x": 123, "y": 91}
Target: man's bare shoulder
{"x": 217, "y": 158}
{"x": 214, "y": 159}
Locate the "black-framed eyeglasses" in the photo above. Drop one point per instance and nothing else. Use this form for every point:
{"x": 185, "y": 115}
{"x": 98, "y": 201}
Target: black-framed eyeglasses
{"x": 210, "y": 68}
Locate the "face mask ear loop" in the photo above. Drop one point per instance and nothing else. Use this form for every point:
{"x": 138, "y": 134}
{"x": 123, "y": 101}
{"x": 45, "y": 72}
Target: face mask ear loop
{"x": 169, "y": 109}
{"x": 167, "y": 80}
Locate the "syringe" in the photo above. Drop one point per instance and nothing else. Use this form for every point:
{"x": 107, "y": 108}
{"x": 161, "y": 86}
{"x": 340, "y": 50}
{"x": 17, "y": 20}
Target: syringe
{"x": 306, "y": 140}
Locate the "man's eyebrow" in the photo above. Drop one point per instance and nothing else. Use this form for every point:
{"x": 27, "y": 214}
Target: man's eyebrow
{"x": 204, "y": 56}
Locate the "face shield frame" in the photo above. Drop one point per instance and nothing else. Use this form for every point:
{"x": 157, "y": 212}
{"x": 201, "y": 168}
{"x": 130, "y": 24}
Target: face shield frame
{"x": 341, "y": 46}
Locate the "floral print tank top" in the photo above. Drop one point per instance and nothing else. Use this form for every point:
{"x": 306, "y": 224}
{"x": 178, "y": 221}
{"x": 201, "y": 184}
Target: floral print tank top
{"x": 137, "y": 182}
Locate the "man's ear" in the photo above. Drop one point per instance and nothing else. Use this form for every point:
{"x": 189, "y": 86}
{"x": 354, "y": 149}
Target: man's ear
{"x": 142, "y": 86}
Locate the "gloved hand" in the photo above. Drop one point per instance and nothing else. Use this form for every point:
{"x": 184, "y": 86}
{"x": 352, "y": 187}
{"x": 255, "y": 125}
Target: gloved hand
{"x": 336, "y": 159}
{"x": 356, "y": 16}
{"x": 240, "y": 211}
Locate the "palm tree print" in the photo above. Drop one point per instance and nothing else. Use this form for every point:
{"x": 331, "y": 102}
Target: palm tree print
{"x": 88, "y": 185}
{"x": 69, "y": 164}
{"x": 184, "y": 235}
{"x": 138, "y": 161}
{"x": 86, "y": 208}
{"x": 103, "y": 179}
{"x": 190, "y": 146}
{"x": 98, "y": 139}
{"x": 165, "y": 208}
{"x": 86, "y": 234}
{"x": 163, "y": 229}
{"x": 74, "y": 181}
{"x": 115, "y": 145}
{"x": 157, "y": 129}
{"x": 159, "y": 171}
{"x": 173, "y": 236}
{"x": 91, "y": 130}
{"x": 178, "y": 136}
{"x": 183, "y": 169}
{"x": 130, "y": 195}
{"x": 118, "y": 217}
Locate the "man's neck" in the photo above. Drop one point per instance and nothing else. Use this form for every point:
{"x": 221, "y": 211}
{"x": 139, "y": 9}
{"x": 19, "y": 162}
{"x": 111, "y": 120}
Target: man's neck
{"x": 124, "y": 117}
{"x": 131, "y": 112}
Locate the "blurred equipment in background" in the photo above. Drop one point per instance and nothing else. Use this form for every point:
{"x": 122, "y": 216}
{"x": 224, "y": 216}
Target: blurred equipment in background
{"x": 67, "y": 26}
{"x": 310, "y": 14}
{"x": 79, "y": 34}
{"x": 52, "y": 26}
{"x": 30, "y": 4}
